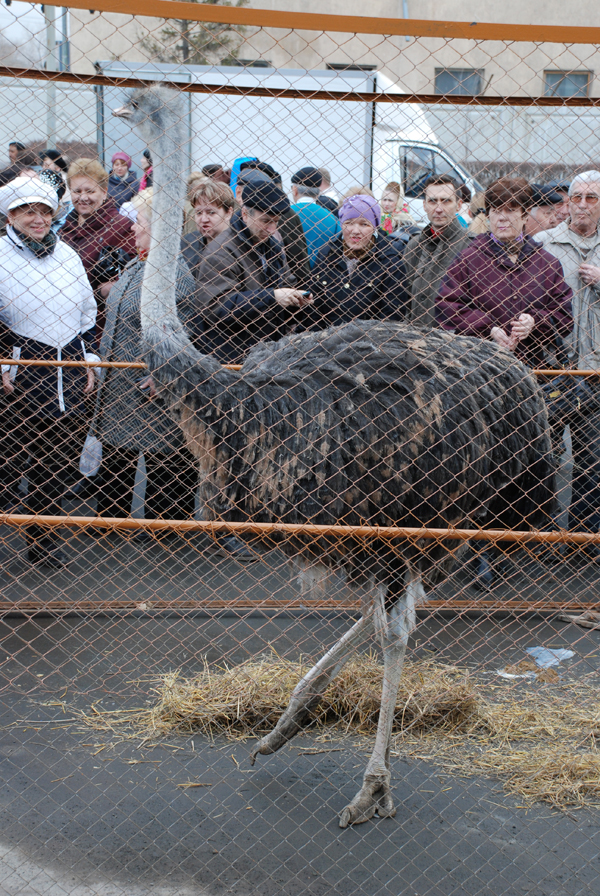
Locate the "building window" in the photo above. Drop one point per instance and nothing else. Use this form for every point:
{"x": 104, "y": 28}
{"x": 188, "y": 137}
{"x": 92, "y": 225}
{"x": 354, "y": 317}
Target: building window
{"x": 567, "y": 83}
{"x": 459, "y": 81}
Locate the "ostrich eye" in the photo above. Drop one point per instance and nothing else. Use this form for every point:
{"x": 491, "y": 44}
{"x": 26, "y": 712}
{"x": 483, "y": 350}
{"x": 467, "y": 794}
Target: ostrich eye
{"x": 134, "y": 104}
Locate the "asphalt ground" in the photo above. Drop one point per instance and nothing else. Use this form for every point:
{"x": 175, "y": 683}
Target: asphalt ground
{"x": 82, "y": 812}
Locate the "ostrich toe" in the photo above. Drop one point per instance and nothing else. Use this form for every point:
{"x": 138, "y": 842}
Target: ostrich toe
{"x": 294, "y": 719}
{"x": 374, "y": 796}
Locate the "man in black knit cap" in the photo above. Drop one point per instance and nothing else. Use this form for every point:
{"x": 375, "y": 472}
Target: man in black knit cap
{"x": 244, "y": 292}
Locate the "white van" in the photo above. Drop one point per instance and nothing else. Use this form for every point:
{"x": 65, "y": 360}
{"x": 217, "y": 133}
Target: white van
{"x": 360, "y": 143}
{"x": 406, "y": 150}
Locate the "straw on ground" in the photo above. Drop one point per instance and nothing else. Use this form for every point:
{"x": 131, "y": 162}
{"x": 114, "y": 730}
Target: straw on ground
{"x": 539, "y": 738}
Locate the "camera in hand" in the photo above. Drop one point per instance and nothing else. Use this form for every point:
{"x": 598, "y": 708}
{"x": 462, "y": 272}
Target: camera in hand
{"x": 111, "y": 262}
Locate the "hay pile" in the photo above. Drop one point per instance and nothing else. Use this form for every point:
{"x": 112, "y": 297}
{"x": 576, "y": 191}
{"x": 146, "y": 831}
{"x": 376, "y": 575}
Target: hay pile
{"x": 541, "y": 744}
{"x": 539, "y": 738}
{"x": 249, "y": 699}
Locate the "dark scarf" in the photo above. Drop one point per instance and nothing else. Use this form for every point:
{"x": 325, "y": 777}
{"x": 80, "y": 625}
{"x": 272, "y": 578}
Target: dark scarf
{"x": 42, "y": 248}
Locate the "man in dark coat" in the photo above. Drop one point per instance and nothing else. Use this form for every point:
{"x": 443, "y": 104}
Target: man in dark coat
{"x": 290, "y": 226}
{"x": 25, "y": 162}
{"x": 543, "y": 212}
{"x": 243, "y": 282}
{"x": 429, "y": 254}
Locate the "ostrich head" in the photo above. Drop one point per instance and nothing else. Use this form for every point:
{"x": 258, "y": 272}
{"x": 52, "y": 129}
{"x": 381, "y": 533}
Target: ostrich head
{"x": 158, "y": 113}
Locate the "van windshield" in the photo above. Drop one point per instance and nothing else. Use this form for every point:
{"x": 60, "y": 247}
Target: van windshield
{"x": 418, "y": 164}
{"x": 417, "y": 168}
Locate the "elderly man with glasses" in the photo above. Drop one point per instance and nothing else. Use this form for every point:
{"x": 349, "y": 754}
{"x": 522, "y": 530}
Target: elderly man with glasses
{"x": 576, "y": 244}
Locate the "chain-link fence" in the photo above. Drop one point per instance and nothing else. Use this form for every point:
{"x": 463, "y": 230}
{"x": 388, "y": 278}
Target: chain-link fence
{"x": 299, "y": 346}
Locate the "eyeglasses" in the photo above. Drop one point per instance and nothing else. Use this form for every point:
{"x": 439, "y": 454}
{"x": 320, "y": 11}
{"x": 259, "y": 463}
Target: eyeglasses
{"x": 590, "y": 198}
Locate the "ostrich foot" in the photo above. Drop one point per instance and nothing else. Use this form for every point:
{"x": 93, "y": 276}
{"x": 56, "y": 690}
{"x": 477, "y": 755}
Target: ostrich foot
{"x": 374, "y": 796}
{"x": 308, "y": 692}
{"x": 291, "y": 722}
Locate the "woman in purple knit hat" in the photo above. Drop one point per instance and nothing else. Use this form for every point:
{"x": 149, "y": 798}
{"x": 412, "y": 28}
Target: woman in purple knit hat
{"x": 359, "y": 273}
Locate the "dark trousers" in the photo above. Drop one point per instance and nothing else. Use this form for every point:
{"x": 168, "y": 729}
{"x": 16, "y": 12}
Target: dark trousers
{"x": 584, "y": 511}
{"x": 171, "y": 483}
{"x": 47, "y": 452}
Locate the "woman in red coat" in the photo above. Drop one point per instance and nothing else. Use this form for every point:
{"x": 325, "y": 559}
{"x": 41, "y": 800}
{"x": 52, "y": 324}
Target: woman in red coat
{"x": 505, "y": 286}
{"x": 102, "y": 237}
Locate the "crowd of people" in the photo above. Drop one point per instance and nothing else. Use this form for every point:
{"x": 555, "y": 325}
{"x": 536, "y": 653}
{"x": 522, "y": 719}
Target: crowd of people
{"x": 518, "y": 264}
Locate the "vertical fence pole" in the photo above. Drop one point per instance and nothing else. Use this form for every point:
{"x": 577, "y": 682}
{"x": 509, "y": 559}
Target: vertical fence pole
{"x": 51, "y": 65}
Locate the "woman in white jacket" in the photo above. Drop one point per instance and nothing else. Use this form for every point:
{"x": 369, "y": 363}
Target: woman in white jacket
{"x": 47, "y": 312}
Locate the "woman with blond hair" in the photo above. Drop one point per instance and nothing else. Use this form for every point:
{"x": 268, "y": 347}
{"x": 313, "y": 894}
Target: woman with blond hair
{"x": 102, "y": 237}
{"x": 195, "y": 178}
{"x": 394, "y": 210}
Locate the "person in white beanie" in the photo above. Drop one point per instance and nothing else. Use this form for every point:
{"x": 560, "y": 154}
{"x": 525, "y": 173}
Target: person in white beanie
{"x": 47, "y": 312}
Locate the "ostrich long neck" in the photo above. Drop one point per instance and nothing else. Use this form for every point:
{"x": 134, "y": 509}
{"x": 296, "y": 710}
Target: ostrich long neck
{"x": 158, "y": 307}
{"x": 167, "y": 349}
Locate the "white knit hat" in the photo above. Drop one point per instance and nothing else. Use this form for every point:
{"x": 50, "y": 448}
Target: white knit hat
{"x": 26, "y": 191}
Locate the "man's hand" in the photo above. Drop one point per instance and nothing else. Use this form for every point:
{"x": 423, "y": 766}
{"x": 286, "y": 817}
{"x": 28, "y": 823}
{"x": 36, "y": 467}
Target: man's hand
{"x": 590, "y": 274}
{"x": 6, "y": 383}
{"x": 521, "y": 328}
{"x": 292, "y": 298}
{"x": 91, "y": 381}
{"x": 502, "y": 339}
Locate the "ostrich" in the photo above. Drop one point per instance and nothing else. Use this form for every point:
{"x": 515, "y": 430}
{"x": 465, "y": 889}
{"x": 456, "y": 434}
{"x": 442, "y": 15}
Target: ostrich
{"x": 370, "y": 422}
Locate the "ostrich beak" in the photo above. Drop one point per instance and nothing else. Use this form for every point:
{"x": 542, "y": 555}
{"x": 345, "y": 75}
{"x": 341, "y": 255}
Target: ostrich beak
{"x": 122, "y": 112}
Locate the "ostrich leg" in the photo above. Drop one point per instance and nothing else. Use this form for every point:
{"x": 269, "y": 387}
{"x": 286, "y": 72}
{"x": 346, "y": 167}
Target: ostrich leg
{"x": 309, "y": 691}
{"x": 393, "y": 629}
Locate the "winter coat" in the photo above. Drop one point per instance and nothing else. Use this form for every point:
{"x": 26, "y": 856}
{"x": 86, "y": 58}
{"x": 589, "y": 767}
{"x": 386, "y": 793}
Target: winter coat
{"x": 13, "y": 171}
{"x": 375, "y": 290}
{"x": 483, "y": 288}
{"x": 572, "y": 251}
{"x": 47, "y": 312}
{"x": 193, "y": 247}
{"x": 123, "y": 189}
{"x": 126, "y": 416}
{"x": 235, "y": 294}
{"x": 295, "y": 248}
{"x": 106, "y": 227}
{"x": 426, "y": 259}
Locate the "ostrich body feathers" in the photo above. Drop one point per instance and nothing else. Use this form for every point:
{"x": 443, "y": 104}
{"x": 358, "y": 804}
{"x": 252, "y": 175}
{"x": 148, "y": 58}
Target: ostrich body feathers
{"x": 368, "y": 423}
{"x": 371, "y": 422}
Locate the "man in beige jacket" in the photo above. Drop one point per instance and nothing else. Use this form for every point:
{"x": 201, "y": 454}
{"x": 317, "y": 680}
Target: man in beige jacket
{"x": 576, "y": 244}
